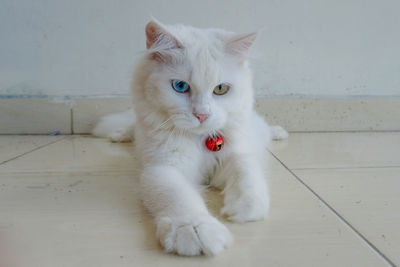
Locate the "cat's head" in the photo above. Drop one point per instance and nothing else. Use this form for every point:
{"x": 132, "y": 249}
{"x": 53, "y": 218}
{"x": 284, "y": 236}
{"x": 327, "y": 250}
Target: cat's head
{"x": 197, "y": 79}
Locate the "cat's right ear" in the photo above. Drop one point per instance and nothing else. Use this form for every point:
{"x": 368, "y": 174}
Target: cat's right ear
{"x": 240, "y": 44}
{"x": 159, "y": 41}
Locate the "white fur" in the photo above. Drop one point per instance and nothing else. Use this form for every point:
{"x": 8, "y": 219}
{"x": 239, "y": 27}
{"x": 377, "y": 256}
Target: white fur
{"x": 117, "y": 127}
{"x": 170, "y": 139}
{"x": 278, "y": 133}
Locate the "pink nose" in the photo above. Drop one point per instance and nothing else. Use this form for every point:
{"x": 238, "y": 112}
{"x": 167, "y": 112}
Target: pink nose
{"x": 201, "y": 117}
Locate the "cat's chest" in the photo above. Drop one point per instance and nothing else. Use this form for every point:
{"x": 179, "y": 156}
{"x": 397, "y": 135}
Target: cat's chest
{"x": 191, "y": 152}
{"x": 192, "y": 156}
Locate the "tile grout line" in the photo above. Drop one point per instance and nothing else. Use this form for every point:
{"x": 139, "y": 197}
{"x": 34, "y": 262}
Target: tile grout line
{"x": 71, "y": 120}
{"x": 30, "y": 151}
{"x": 345, "y": 131}
{"x": 345, "y": 168}
{"x": 372, "y": 246}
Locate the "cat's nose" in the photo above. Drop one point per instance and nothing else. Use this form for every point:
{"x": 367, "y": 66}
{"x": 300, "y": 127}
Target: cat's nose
{"x": 201, "y": 117}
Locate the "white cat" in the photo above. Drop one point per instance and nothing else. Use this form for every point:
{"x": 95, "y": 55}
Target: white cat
{"x": 193, "y": 84}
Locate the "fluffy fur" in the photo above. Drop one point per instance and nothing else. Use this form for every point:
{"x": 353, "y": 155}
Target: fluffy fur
{"x": 170, "y": 139}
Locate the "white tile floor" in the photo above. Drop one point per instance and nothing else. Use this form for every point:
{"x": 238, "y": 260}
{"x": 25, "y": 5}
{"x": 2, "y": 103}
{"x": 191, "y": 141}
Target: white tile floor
{"x": 73, "y": 201}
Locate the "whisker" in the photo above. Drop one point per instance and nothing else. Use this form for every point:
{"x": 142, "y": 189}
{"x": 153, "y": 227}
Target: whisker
{"x": 161, "y": 126}
{"x": 171, "y": 133}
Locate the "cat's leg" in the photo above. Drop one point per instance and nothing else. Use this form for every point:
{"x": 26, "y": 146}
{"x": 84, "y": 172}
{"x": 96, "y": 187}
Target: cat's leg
{"x": 244, "y": 174}
{"x": 184, "y": 225}
{"x": 246, "y": 193}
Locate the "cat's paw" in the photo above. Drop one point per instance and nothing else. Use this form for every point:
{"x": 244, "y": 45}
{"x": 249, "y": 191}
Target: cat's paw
{"x": 193, "y": 237}
{"x": 278, "y": 133}
{"x": 247, "y": 207}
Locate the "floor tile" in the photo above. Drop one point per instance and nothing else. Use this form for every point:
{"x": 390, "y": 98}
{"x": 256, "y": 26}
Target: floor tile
{"x": 85, "y": 211}
{"x": 12, "y": 146}
{"x": 369, "y": 199}
{"x": 76, "y": 154}
{"x": 339, "y": 150}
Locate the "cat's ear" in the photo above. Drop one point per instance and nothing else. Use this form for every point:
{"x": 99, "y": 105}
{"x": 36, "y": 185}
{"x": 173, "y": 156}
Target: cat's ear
{"x": 239, "y": 44}
{"x": 157, "y": 37}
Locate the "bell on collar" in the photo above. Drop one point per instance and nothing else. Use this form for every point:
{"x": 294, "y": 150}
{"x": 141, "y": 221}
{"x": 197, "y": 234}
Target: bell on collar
{"x": 215, "y": 143}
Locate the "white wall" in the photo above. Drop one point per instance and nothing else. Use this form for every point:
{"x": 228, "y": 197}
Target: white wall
{"x": 310, "y": 47}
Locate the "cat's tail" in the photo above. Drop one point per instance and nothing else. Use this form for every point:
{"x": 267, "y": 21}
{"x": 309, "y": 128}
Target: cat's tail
{"x": 278, "y": 133}
{"x": 117, "y": 127}
{"x": 268, "y": 132}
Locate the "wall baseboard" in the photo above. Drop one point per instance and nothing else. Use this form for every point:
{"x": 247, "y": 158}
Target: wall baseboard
{"x": 332, "y": 114}
{"x": 77, "y": 116}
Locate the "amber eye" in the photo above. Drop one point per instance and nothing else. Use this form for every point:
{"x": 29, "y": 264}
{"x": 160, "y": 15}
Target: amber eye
{"x": 221, "y": 89}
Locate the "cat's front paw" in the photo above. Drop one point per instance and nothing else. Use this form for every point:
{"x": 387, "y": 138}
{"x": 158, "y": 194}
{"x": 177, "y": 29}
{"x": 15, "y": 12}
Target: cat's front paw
{"x": 188, "y": 237}
{"x": 245, "y": 208}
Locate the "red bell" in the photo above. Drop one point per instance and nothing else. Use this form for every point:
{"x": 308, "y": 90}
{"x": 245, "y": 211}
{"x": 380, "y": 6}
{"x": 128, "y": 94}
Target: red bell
{"x": 215, "y": 143}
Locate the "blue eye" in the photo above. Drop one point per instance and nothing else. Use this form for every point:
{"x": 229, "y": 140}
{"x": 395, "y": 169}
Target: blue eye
{"x": 180, "y": 86}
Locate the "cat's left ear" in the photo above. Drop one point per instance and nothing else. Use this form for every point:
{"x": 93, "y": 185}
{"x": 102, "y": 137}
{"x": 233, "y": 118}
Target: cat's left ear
{"x": 239, "y": 45}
